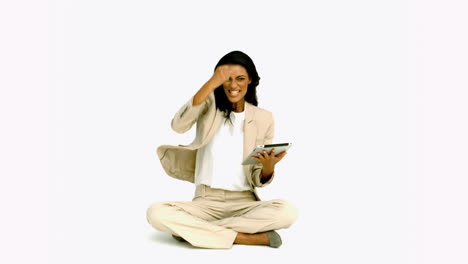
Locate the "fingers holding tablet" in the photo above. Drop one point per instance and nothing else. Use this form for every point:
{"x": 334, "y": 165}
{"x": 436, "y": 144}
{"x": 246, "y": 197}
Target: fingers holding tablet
{"x": 265, "y": 152}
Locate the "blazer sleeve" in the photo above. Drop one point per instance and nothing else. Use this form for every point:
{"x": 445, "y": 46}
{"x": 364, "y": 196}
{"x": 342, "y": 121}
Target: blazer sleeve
{"x": 257, "y": 169}
{"x": 188, "y": 114}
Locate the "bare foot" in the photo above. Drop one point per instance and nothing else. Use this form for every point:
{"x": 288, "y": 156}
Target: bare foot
{"x": 252, "y": 239}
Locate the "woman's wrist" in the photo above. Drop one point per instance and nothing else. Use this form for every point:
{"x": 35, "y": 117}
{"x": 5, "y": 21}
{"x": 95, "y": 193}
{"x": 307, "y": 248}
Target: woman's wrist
{"x": 265, "y": 177}
{"x": 203, "y": 93}
{"x": 267, "y": 172}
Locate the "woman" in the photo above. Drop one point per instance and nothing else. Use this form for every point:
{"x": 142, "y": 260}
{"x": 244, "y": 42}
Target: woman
{"x": 226, "y": 209}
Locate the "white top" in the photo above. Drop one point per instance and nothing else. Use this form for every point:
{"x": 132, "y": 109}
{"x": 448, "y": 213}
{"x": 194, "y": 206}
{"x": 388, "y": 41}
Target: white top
{"x": 218, "y": 163}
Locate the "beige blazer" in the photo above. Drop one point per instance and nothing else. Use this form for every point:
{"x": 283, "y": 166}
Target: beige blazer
{"x": 179, "y": 161}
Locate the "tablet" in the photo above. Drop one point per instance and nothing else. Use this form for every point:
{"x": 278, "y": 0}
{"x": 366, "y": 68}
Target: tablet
{"x": 279, "y": 148}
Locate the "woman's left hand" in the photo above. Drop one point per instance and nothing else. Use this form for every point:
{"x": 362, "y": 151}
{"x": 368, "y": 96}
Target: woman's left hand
{"x": 269, "y": 160}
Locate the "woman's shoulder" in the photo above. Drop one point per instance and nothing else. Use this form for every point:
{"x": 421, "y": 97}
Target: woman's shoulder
{"x": 261, "y": 112}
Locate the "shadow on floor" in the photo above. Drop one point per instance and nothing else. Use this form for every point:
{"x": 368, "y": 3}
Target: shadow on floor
{"x": 167, "y": 239}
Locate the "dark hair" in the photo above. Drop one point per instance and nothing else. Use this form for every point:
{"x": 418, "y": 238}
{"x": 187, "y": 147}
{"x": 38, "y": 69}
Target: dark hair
{"x": 239, "y": 58}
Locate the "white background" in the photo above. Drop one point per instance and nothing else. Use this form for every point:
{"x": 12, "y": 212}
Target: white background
{"x": 372, "y": 93}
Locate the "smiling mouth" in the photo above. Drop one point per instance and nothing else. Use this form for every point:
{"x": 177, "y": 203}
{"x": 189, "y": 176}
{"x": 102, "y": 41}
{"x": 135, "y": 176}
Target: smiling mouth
{"x": 234, "y": 93}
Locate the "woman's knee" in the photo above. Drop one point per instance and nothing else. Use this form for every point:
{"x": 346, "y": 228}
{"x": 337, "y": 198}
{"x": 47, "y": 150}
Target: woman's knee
{"x": 156, "y": 215}
{"x": 287, "y": 212}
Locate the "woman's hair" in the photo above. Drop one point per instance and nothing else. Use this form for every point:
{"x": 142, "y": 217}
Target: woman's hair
{"x": 239, "y": 58}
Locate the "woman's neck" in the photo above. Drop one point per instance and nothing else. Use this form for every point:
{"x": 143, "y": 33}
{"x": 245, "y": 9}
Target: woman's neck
{"x": 238, "y": 107}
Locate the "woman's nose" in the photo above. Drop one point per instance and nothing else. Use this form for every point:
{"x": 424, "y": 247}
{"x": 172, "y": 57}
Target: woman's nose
{"x": 233, "y": 84}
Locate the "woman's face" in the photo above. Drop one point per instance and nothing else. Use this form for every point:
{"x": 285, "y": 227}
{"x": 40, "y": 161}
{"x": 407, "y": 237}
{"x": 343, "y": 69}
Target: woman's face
{"x": 236, "y": 86}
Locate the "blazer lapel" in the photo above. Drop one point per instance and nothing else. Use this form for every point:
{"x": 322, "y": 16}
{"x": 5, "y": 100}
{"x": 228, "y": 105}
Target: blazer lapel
{"x": 250, "y": 129}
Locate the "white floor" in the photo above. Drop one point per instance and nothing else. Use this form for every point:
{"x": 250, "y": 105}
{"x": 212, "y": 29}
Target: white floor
{"x": 101, "y": 221}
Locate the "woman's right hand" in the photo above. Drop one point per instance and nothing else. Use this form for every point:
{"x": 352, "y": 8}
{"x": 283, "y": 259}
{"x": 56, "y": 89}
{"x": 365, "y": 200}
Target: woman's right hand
{"x": 221, "y": 75}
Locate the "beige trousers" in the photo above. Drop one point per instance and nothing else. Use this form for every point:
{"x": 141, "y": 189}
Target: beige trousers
{"x": 215, "y": 216}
